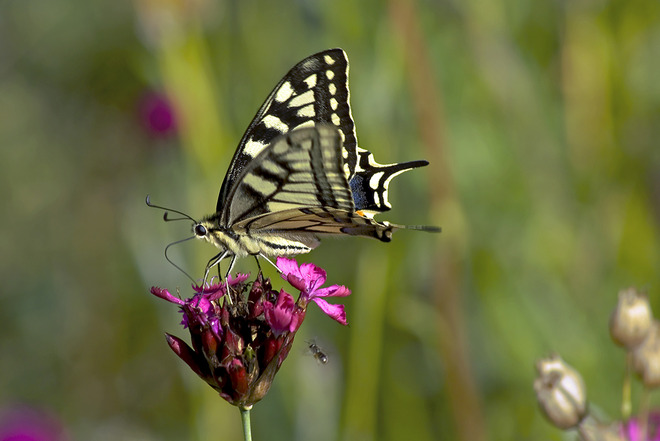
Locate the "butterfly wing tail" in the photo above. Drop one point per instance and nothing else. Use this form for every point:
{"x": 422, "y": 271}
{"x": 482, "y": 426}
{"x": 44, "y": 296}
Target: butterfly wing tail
{"x": 371, "y": 181}
{"x": 355, "y": 224}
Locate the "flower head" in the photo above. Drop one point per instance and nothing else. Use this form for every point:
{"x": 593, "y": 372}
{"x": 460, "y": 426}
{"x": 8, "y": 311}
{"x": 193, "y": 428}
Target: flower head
{"x": 237, "y": 347}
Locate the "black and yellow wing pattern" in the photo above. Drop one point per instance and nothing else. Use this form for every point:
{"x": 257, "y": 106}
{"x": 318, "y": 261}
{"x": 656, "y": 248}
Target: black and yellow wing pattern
{"x": 298, "y": 172}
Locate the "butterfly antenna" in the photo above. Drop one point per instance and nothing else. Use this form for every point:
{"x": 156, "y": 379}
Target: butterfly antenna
{"x": 171, "y": 261}
{"x": 168, "y": 210}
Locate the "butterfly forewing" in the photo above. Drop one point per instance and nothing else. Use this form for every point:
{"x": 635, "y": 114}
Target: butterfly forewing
{"x": 313, "y": 91}
{"x": 316, "y": 91}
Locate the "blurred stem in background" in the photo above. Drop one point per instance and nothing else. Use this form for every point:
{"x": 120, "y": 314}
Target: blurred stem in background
{"x": 451, "y": 327}
{"x": 363, "y": 371}
{"x": 173, "y": 32}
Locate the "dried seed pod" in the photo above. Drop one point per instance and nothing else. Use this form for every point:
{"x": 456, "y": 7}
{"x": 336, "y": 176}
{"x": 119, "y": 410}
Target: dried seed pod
{"x": 646, "y": 357}
{"x": 631, "y": 319}
{"x": 560, "y": 392}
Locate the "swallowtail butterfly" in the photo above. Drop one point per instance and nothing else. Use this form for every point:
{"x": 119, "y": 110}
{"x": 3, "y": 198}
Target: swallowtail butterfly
{"x": 298, "y": 172}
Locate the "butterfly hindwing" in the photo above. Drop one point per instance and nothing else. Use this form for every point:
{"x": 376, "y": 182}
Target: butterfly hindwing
{"x": 304, "y": 223}
{"x": 370, "y": 183}
{"x": 302, "y": 169}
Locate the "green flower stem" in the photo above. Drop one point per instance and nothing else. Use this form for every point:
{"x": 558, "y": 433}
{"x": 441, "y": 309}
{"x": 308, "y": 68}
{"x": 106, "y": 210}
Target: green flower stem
{"x": 644, "y": 413}
{"x": 245, "y": 418}
{"x": 626, "y": 402}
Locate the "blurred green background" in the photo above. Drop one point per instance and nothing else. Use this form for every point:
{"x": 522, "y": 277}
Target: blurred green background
{"x": 541, "y": 121}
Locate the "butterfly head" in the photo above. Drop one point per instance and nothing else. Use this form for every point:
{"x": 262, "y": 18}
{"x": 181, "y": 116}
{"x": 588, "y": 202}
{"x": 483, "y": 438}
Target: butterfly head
{"x": 210, "y": 231}
{"x": 205, "y": 230}
{"x": 200, "y": 231}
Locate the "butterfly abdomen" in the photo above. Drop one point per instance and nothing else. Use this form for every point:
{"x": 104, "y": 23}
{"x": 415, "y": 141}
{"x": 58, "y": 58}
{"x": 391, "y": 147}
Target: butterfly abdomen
{"x": 241, "y": 241}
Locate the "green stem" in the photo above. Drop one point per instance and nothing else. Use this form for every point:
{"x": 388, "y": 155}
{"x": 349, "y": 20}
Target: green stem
{"x": 626, "y": 402}
{"x": 644, "y": 413}
{"x": 245, "y": 418}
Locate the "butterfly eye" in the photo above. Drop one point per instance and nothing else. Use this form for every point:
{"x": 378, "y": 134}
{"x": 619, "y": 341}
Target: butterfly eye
{"x": 200, "y": 230}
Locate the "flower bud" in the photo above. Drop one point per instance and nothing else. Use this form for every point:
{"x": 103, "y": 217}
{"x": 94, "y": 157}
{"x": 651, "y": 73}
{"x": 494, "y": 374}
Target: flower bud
{"x": 646, "y": 357}
{"x": 631, "y": 320}
{"x": 560, "y": 392}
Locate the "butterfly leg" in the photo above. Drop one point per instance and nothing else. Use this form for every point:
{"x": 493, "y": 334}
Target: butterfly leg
{"x": 215, "y": 260}
{"x": 268, "y": 260}
{"x": 231, "y": 266}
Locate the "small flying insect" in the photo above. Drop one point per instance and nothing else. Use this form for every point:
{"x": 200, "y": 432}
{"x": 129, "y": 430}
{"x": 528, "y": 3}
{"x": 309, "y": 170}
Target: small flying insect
{"x": 317, "y": 352}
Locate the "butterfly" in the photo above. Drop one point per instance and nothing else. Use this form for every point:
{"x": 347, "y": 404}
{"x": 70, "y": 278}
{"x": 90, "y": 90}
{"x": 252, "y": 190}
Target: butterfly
{"x": 298, "y": 173}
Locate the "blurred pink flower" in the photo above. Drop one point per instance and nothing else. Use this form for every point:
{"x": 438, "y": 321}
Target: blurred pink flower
{"x": 23, "y": 423}
{"x": 632, "y": 430}
{"x": 157, "y": 114}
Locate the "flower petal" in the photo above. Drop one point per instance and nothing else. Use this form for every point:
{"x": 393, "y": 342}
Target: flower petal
{"x": 313, "y": 276}
{"x": 165, "y": 295}
{"x": 291, "y": 273}
{"x": 216, "y": 289}
{"x": 332, "y": 291}
{"x": 335, "y": 312}
{"x": 240, "y": 278}
{"x": 280, "y": 317}
{"x": 287, "y": 266}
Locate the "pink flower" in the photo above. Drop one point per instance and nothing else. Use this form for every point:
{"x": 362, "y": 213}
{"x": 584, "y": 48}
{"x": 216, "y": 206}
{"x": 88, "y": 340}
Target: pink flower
{"x": 284, "y": 315}
{"x": 240, "y": 339}
{"x": 309, "y": 278}
{"x": 157, "y": 114}
{"x": 23, "y": 423}
{"x": 632, "y": 430}
{"x": 232, "y": 348}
